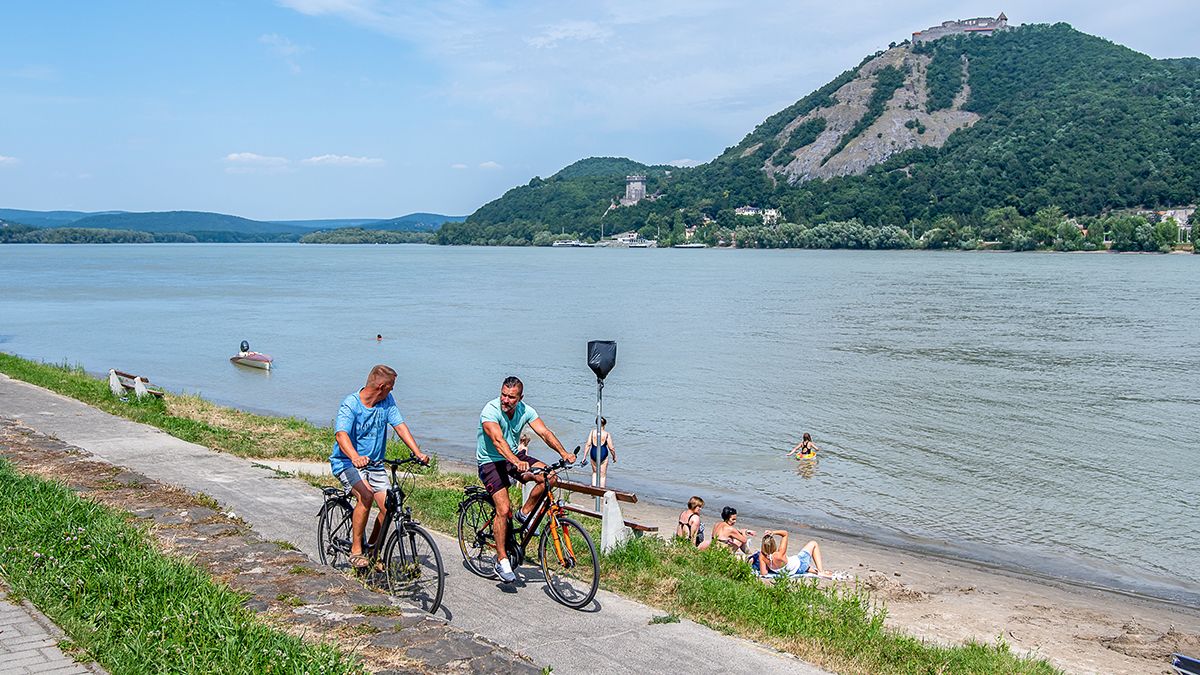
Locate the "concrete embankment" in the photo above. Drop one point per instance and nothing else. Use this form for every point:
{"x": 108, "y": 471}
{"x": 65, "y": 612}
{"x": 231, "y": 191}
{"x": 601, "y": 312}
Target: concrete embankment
{"x": 614, "y": 634}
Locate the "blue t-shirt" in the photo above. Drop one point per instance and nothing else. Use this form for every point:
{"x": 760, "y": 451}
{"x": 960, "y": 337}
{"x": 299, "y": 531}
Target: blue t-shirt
{"x": 367, "y": 427}
{"x": 485, "y": 450}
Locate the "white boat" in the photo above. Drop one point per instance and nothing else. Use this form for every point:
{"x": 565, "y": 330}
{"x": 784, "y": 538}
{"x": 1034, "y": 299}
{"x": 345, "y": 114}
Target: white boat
{"x": 690, "y": 246}
{"x": 572, "y": 243}
{"x": 250, "y": 359}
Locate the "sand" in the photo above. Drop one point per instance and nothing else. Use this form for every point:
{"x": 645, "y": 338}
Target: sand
{"x": 1078, "y": 628}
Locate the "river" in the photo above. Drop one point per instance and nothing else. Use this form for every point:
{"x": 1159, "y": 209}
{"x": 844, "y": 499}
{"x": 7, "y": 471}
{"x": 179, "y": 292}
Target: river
{"x": 1034, "y": 411}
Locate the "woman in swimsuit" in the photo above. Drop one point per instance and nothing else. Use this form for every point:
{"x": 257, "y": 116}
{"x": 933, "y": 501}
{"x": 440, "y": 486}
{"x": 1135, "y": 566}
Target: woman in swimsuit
{"x": 727, "y": 532}
{"x": 689, "y": 526}
{"x": 772, "y": 558}
{"x": 599, "y": 452}
{"x": 805, "y": 448}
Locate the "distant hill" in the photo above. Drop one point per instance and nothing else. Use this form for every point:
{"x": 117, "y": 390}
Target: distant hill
{"x": 414, "y": 222}
{"x": 185, "y": 221}
{"x": 46, "y": 218}
{"x": 1033, "y": 118}
{"x": 327, "y": 223}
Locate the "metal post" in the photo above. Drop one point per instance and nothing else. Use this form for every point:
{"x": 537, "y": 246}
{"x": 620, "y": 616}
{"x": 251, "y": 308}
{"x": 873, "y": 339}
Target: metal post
{"x": 599, "y": 413}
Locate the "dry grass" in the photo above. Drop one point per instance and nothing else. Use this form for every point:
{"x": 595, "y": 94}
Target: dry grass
{"x": 273, "y": 436}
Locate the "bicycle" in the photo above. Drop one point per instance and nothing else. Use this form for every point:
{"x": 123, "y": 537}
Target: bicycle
{"x": 565, "y": 551}
{"x": 409, "y": 559}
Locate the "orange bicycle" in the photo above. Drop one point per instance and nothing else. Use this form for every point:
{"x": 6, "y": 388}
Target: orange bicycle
{"x": 565, "y": 551}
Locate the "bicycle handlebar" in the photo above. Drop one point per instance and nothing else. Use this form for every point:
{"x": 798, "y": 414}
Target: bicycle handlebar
{"x": 397, "y": 463}
{"x": 560, "y": 464}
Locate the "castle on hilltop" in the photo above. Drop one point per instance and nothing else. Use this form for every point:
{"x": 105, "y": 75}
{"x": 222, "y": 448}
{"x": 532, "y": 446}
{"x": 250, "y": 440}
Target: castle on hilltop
{"x": 635, "y": 189}
{"x": 984, "y": 25}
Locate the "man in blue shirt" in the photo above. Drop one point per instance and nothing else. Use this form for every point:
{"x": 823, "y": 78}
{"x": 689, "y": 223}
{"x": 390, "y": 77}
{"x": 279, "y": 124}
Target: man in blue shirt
{"x": 359, "y": 444}
{"x": 500, "y": 426}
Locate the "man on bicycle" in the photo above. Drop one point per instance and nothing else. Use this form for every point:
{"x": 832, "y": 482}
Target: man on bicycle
{"x": 500, "y": 425}
{"x": 359, "y": 444}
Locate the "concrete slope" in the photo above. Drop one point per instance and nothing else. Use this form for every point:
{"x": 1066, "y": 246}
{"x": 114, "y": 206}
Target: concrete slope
{"x": 615, "y": 635}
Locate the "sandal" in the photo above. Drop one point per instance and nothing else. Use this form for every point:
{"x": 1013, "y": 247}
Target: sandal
{"x": 359, "y": 561}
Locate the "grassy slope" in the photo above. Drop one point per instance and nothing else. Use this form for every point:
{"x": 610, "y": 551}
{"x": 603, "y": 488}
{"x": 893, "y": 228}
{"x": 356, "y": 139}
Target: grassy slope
{"x": 124, "y": 604}
{"x": 839, "y": 627}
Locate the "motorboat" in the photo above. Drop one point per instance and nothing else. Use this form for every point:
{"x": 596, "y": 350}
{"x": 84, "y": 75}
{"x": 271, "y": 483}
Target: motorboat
{"x": 250, "y": 359}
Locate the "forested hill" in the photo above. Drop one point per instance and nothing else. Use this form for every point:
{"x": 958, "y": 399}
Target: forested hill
{"x": 1035, "y": 117}
{"x": 185, "y": 221}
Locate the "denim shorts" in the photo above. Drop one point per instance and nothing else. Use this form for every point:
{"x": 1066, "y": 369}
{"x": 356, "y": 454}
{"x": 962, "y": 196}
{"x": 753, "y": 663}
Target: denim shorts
{"x": 376, "y": 477}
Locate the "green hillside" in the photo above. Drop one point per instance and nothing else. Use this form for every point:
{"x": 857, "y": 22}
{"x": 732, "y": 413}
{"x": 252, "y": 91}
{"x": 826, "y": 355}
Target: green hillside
{"x": 185, "y": 221}
{"x": 414, "y": 222}
{"x": 1040, "y": 119}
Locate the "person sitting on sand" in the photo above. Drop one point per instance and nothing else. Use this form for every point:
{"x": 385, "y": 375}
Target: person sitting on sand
{"x": 773, "y": 558}
{"x": 727, "y": 532}
{"x": 689, "y": 526}
{"x": 805, "y": 448}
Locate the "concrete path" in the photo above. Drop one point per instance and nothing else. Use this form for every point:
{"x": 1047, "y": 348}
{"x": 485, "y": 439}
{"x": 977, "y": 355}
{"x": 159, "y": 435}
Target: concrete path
{"x": 29, "y": 643}
{"x": 615, "y": 635}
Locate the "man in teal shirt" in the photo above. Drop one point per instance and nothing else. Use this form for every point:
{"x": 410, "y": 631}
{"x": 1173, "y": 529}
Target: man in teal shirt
{"x": 500, "y": 424}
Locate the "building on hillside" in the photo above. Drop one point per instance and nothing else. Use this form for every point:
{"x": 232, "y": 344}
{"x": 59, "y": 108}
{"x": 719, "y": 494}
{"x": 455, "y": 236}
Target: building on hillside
{"x": 984, "y": 25}
{"x": 747, "y": 211}
{"x": 769, "y": 216}
{"x": 1183, "y": 215}
{"x": 635, "y": 189}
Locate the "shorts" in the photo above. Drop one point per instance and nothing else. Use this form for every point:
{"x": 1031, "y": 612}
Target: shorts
{"x": 497, "y": 476}
{"x": 376, "y": 478}
{"x": 802, "y": 562}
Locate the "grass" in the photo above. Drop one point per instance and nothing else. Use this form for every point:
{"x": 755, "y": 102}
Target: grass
{"x": 126, "y": 605}
{"x": 839, "y": 627}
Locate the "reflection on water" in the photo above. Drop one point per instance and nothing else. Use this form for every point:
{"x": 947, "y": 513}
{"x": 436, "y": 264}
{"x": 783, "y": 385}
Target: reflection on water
{"x": 807, "y": 466}
{"x": 965, "y": 402}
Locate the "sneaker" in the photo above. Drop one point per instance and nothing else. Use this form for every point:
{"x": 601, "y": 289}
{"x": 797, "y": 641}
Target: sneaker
{"x": 522, "y": 518}
{"x": 504, "y": 571}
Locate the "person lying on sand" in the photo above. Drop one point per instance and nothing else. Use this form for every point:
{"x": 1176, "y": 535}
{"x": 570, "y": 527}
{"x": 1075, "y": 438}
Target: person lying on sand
{"x": 772, "y": 557}
{"x": 805, "y": 448}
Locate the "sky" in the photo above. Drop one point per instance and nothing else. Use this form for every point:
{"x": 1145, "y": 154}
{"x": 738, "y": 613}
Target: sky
{"x": 304, "y": 109}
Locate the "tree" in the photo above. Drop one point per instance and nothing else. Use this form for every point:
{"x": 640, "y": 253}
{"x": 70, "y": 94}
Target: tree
{"x": 1166, "y": 234}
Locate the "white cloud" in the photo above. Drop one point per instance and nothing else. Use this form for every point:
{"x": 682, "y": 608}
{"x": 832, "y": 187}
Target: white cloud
{"x": 570, "y": 30}
{"x": 285, "y": 49}
{"x": 490, "y": 165}
{"x": 251, "y": 162}
{"x": 342, "y": 160}
{"x": 458, "y": 166}
{"x": 685, "y": 162}
{"x": 9, "y": 161}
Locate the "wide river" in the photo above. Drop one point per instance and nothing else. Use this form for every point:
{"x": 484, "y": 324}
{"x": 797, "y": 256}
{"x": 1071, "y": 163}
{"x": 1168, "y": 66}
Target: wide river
{"x": 1033, "y": 411}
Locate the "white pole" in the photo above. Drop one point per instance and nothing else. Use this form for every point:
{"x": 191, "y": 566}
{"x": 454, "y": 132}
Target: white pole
{"x": 599, "y": 412}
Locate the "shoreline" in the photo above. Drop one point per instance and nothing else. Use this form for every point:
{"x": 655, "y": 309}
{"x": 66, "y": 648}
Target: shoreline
{"x": 1080, "y": 627}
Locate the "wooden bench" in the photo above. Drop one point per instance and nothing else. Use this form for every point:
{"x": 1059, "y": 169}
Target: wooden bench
{"x": 638, "y": 529}
{"x": 120, "y": 382}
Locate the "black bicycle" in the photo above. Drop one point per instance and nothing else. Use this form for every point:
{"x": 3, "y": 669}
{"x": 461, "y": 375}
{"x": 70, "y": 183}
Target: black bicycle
{"x": 565, "y": 551}
{"x": 409, "y": 559}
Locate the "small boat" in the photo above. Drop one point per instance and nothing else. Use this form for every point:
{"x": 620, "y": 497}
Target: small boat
{"x": 690, "y": 246}
{"x": 245, "y": 357}
{"x": 120, "y": 382}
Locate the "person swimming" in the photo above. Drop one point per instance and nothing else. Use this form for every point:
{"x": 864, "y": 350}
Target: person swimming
{"x": 805, "y": 448}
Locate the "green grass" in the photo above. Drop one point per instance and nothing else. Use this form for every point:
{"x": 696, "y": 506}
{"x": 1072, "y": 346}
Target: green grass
{"x": 124, "y": 604}
{"x": 839, "y": 627}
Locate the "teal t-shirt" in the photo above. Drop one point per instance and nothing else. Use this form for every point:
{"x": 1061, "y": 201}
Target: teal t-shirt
{"x": 368, "y": 430}
{"x": 485, "y": 450}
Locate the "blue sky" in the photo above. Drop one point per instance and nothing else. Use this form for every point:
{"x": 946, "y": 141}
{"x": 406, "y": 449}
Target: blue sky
{"x": 375, "y": 108}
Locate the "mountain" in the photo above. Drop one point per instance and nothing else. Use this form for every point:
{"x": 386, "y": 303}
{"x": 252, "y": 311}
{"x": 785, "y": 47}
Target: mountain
{"x": 414, "y": 222}
{"x": 46, "y": 218}
{"x": 1031, "y": 118}
{"x": 185, "y": 221}
{"x": 327, "y": 223}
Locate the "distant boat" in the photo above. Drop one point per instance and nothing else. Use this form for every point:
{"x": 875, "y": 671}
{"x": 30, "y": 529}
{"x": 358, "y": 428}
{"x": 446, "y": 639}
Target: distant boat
{"x": 253, "y": 360}
{"x": 572, "y": 243}
{"x": 644, "y": 243}
{"x": 245, "y": 357}
{"x": 690, "y": 246}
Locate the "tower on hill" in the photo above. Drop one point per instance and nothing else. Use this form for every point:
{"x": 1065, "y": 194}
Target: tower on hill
{"x": 635, "y": 189}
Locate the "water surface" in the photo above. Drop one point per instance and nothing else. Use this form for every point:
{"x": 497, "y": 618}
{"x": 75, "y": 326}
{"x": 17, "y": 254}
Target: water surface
{"x": 1035, "y": 411}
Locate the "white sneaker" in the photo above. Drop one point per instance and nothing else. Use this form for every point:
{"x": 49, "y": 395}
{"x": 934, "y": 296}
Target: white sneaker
{"x": 504, "y": 571}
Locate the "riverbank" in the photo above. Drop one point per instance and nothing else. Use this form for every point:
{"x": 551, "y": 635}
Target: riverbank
{"x": 934, "y": 599}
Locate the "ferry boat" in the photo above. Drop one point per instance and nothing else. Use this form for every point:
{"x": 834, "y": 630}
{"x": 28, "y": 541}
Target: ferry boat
{"x": 690, "y": 246}
{"x": 572, "y": 243}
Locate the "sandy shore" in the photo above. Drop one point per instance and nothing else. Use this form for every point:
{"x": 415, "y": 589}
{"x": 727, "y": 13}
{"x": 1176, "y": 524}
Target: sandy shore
{"x": 1079, "y": 629}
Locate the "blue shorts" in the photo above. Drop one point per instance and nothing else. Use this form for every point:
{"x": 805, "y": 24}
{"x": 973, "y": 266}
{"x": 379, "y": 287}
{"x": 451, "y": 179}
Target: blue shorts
{"x": 805, "y": 560}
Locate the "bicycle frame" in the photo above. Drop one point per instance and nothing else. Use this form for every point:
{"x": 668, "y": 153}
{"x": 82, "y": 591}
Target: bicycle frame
{"x": 546, "y": 506}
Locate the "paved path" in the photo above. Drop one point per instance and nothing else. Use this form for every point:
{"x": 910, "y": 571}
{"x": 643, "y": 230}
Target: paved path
{"x": 615, "y": 635}
{"x": 29, "y": 643}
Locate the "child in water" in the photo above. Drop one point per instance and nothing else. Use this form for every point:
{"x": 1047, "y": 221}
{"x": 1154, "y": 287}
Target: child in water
{"x": 805, "y": 448}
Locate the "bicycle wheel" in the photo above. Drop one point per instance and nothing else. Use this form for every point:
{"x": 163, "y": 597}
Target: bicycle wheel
{"x": 413, "y": 566}
{"x": 569, "y": 563}
{"x": 333, "y": 533}
{"x": 475, "y": 538}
